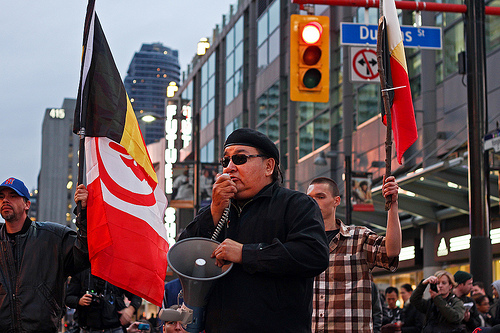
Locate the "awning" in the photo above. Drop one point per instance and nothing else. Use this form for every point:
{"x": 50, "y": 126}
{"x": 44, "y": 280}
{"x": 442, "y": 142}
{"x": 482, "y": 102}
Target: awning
{"x": 430, "y": 194}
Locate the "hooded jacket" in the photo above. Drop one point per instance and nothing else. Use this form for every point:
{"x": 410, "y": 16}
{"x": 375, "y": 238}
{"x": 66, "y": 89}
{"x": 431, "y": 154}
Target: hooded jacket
{"x": 495, "y": 308}
{"x": 34, "y": 267}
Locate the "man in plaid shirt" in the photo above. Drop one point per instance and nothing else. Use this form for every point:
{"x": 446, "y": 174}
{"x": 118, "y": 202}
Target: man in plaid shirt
{"x": 342, "y": 294}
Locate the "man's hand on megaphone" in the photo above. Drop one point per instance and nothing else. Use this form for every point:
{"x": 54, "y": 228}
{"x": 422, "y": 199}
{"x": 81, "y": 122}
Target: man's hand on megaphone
{"x": 223, "y": 191}
{"x": 228, "y": 250}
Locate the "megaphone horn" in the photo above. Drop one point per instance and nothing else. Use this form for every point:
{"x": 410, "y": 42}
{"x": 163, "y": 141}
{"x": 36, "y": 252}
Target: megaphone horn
{"x": 191, "y": 260}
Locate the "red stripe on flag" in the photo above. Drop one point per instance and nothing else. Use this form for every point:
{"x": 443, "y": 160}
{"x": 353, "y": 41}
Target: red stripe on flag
{"x": 402, "y": 113}
{"x": 98, "y": 235}
{"x": 124, "y": 264}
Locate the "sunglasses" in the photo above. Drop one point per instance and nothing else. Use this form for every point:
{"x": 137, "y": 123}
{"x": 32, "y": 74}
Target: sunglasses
{"x": 238, "y": 159}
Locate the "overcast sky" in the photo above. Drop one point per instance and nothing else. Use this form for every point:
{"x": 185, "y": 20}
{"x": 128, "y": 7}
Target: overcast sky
{"x": 40, "y": 53}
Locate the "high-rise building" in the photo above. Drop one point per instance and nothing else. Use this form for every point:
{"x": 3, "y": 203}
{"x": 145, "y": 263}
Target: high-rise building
{"x": 150, "y": 72}
{"x": 244, "y": 78}
{"x": 59, "y": 165}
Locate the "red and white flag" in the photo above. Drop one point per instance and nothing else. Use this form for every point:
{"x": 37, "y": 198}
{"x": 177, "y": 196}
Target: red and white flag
{"x": 396, "y": 74}
{"x": 126, "y": 236}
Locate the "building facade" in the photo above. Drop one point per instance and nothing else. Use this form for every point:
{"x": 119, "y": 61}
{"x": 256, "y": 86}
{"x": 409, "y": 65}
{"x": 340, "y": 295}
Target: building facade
{"x": 59, "y": 165}
{"x": 243, "y": 81}
{"x": 150, "y": 72}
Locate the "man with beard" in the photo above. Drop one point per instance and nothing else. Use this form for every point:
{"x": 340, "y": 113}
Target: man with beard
{"x": 35, "y": 261}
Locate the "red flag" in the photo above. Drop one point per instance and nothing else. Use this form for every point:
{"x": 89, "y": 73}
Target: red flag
{"x": 127, "y": 240}
{"x": 402, "y": 113}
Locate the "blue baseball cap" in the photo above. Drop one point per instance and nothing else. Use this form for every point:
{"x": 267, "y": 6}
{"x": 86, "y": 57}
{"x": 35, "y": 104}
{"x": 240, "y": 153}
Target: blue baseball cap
{"x": 17, "y": 186}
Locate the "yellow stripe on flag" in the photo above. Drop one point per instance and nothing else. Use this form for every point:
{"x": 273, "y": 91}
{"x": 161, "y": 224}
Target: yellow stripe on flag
{"x": 134, "y": 144}
{"x": 398, "y": 53}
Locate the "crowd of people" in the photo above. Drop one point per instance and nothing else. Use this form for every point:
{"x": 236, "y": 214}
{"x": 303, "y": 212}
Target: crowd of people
{"x": 296, "y": 267}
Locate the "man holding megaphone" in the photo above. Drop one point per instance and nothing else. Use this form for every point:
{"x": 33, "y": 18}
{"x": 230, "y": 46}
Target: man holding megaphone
{"x": 273, "y": 236}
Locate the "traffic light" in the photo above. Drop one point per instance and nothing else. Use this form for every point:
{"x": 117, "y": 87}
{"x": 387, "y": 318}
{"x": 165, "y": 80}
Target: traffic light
{"x": 309, "y": 58}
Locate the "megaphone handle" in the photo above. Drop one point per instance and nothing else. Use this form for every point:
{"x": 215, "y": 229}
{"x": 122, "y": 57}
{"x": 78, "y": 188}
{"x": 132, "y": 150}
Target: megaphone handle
{"x": 179, "y": 296}
{"x": 222, "y": 221}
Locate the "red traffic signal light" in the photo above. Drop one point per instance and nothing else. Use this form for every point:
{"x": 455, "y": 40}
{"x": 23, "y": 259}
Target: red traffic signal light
{"x": 311, "y": 33}
{"x": 309, "y": 58}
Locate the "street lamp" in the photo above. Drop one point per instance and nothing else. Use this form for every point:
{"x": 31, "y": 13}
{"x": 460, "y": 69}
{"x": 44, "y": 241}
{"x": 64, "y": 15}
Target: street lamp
{"x": 149, "y": 118}
{"x": 321, "y": 159}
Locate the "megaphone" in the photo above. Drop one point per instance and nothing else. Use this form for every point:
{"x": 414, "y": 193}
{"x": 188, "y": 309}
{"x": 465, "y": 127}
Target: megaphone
{"x": 190, "y": 260}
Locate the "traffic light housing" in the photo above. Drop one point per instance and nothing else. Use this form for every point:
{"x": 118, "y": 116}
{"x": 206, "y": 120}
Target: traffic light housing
{"x": 309, "y": 58}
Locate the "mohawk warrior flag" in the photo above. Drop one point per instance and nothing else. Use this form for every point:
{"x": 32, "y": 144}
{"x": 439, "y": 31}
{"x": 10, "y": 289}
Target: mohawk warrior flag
{"x": 127, "y": 240}
{"x": 396, "y": 76}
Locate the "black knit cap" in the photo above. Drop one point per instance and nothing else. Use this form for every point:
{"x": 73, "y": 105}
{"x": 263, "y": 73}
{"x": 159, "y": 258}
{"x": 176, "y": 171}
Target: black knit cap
{"x": 462, "y": 277}
{"x": 253, "y": 138}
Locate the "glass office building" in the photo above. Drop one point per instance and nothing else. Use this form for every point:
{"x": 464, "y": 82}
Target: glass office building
{"x": 150, "y": 72}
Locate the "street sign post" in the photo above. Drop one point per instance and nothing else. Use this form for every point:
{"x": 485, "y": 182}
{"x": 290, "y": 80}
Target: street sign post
{"x": 413, "y": 37}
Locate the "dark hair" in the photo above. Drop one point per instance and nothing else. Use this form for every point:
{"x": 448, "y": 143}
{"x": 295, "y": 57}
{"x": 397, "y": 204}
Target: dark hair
{"x": 392, "y": 290}
{"x": 479, "y": 284}
{"x": 479, "y": 298}
{"x": 407, "y": 287}
{"x": 277, "y": 174}
{"x": 328, "y": 181}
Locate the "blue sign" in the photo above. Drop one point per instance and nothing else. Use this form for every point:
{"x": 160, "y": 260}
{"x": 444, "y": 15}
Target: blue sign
{"x": 414, "y": 37}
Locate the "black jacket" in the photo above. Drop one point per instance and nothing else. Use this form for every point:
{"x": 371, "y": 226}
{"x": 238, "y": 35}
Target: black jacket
{"x": 284, "y": 247}
{"x": 34, "y": 268}
{"x": 413, "y": 320}
{"x": 441, "y": 314}
{"x": 474, "y": 320}
{"x": 108, "y": 299}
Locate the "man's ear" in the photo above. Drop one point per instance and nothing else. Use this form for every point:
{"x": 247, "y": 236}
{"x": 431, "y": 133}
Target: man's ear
{"x": 270, "y": 163}
{"x": 336, "y": 201}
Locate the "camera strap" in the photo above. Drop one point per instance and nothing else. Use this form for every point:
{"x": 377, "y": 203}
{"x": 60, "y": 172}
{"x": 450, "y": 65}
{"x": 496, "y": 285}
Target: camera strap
{"x": 105, "y": 292}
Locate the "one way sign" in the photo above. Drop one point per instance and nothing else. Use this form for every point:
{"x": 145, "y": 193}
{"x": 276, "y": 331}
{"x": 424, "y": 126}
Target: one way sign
{"x": 364, "y": 67}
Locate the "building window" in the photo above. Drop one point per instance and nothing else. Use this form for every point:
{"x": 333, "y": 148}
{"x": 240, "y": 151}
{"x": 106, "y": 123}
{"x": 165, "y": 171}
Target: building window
{"x": 233, "y": 125}
{"x": 187, "y": 94}
{"x": 314, "y": 127}
{"x": 207, "y": 152}
{"x": 268, "y": 35}
{"x": 455, "y": 43}
{"x": 367, "y": 102}
{"x": 207, "y": 100}
{"x": 268, "y": 114}
{"x": 234, "y": 61}
{"x": 492, "y": 28}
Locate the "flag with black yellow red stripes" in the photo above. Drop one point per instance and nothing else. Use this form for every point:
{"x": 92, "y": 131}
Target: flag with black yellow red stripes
{"x": 127, "y": 240}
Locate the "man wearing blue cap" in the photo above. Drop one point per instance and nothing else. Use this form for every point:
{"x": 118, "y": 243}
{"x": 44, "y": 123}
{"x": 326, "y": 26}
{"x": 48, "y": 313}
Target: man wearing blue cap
{"x": 35, "y": 260}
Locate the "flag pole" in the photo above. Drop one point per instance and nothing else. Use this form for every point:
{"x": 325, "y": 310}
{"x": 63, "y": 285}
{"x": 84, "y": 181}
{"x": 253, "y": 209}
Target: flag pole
{"x": 81, "y": 162}
{"x": 82, "y": 107}
{"x": 387, "y": 108}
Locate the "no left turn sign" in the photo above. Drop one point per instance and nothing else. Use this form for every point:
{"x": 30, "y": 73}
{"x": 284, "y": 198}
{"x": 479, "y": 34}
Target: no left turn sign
{"x": 364, "y": 67}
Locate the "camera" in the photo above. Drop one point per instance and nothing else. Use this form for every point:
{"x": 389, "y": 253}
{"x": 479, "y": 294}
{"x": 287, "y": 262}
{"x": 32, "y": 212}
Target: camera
{"x": 96, "y": 298}
{"x": 143, "y": 327}
{"x": 433, "y": 287}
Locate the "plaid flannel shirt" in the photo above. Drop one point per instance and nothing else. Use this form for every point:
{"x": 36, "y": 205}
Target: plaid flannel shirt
{"x": 342, "y": 299}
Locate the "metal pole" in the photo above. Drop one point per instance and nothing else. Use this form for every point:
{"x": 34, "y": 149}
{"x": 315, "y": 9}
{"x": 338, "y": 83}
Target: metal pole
{"x": 348, "y": 122}
{"x": 480, "y": 245}
{"x": 408, "y": 5}
{"x": 348, "y": 184}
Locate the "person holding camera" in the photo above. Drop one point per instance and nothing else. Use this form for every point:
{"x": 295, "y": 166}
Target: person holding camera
{"x": 444, "y": 311}
{"x": 100, "y": 306}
